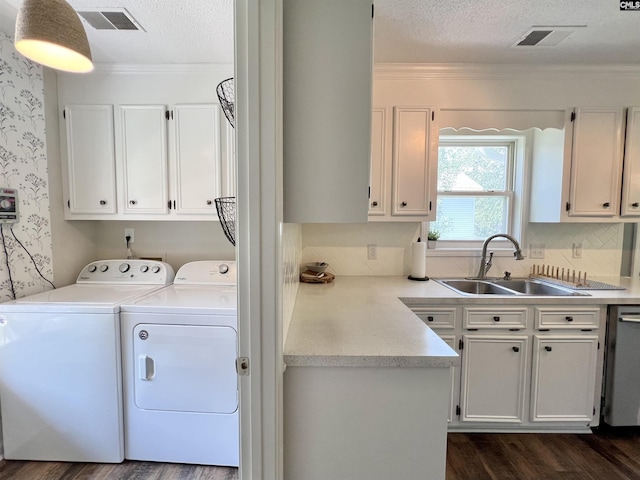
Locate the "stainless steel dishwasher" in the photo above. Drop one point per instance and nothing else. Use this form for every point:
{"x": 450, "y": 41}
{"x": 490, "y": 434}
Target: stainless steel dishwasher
{"x": 622, "y": 374}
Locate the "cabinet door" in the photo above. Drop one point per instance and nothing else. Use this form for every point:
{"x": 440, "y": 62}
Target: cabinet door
{"x": 493, "y": 378}
{"x": 378, "y": 165}
{"x": 197, "y": 166}
{"x": 596, "y": 162}
{"x": 413, "y": 172}
{"x": 631, "y": 185}
{"x": 91, "y": 159}
{"x": 144, "y": 158}
{"x": 564, "y": 375}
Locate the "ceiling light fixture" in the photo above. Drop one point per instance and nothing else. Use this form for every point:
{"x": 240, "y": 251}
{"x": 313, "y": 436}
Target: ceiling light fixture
{"x": 51, "y": 33}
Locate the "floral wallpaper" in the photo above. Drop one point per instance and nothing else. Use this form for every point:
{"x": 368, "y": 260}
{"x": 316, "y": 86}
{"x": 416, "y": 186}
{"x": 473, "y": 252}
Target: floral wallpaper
{"x": 23, "y": 166}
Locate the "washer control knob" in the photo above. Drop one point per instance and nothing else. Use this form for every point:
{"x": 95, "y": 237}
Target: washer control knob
{"x": 155, "y": 269}
{"x": 124, "y": 267}
{"x": 144, "y": 268}
{"x": 92, "y": 268}
{"x": 223, "y": 268}
{"x": 104, "y": 268}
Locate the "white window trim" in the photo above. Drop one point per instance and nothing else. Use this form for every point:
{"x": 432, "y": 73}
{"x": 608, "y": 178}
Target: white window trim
{"x": 518, "y": 205}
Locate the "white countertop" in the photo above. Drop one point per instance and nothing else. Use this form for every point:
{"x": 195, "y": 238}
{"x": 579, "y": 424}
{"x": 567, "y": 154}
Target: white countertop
{"x": 364, "y": 321}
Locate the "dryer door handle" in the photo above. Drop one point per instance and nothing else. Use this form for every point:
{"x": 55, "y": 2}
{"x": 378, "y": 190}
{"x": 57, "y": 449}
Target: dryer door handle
{"x": 146, "y": 368}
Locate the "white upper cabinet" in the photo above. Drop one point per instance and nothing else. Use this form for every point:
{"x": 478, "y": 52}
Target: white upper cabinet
{"x": 144, "y": 158}
{"x": 406, "y": 171}
{"x": 169, "y": 160}
{"x": 90, "y": 180}
{"x": 379, "y": 174}
{"x": 327, "y": 78}
{"x": 630, "y": 206}
{"x": 196, "y": 158}
{"x": 596, "y": 162}
{"x": 577, "y": 175}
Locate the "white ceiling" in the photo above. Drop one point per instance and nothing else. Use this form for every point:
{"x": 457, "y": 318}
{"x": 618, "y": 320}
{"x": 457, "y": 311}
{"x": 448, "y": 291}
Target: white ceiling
{"x": 406, "y": 31}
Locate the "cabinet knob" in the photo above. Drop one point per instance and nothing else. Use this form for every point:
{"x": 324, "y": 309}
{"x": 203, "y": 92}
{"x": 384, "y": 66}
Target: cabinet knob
{"x": 374, "y": 204}
{"x": 635, "y": 204}
{"x": 548, "y": 348}
{"x": 606, "y": 204}
{"x": 103, "y": 202}
{"x": 403, "y": 204}
{"x": 132, "y": 202}
{"x": 429, "y": 318}
{"x": 515, "y": 349}
{"x": 209, "y": 202}
{"x": 496, "y": 319}
{"x": 569, "y": 319}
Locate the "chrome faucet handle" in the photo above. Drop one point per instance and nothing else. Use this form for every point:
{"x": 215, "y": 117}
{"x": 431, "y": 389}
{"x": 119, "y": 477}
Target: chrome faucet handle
{"x": 507, "y": 276}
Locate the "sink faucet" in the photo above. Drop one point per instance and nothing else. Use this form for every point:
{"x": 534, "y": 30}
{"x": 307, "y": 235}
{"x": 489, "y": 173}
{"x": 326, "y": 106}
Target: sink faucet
{"x": 485, "y": 264}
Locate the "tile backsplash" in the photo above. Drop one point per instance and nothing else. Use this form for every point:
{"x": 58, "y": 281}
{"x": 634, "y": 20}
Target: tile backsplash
{"x": 344, "y": 247}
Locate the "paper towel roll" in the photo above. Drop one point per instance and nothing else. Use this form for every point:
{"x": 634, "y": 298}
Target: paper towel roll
{"x": 418, "y": 263}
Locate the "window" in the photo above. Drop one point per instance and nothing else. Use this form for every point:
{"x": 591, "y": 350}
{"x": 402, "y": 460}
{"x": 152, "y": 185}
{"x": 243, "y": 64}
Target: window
{"x": 477, "y": 188}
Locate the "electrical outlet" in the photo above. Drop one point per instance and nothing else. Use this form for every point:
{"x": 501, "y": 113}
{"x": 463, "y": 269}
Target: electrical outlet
{"x": 128, "y": 232}
{"x": 577, "y": 250}
{"x": 372, "y": 252}
{"x": 536, "y": 250}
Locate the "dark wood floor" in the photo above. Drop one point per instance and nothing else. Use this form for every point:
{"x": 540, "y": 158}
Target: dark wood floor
{"x": 609, "y": 454}
{"x": 19, "y": 470}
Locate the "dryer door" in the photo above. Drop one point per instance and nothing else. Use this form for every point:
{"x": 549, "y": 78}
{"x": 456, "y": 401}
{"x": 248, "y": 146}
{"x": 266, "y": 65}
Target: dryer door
{"x": 185, "y": 368}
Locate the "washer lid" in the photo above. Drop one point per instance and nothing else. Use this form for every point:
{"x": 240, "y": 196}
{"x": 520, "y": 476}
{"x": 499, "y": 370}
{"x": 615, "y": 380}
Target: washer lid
{"x": 88, "y": 298}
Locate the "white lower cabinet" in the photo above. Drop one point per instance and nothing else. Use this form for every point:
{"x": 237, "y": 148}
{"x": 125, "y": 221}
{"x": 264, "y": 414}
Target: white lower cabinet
{"x": 523, "y": 367}
{"x": 494, "y": 372}
{"x": 563, "y": 378}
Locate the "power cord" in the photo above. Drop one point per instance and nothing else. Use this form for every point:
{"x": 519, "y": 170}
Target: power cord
{"x": 129, "y": 252}
{"x": 6, "y": 260}
{"x": 30, "y": 256}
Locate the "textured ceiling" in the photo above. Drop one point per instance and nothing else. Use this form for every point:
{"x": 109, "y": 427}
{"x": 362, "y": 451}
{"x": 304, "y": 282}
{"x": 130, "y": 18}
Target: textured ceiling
{"x": 406, "y": 31}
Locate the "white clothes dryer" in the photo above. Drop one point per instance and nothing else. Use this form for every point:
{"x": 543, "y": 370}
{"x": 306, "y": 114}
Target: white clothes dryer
{"x": 180, "y": 346}
{"x": 60, "y": 364}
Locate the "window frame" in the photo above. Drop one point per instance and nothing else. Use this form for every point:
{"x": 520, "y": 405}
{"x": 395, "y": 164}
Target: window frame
{"x": 519, "y": 144}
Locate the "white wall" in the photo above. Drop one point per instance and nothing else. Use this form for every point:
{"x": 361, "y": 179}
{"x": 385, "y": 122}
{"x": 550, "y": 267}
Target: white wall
{"x": 483, "y": 87}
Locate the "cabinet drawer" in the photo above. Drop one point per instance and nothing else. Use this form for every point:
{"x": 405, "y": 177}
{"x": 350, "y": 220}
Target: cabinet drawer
{"x": 490, "y": 317}
{"x": 437, "y": 317}
{"x": 574, "y": 318}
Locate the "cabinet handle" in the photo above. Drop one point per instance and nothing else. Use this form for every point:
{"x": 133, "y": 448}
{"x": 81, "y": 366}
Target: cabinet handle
{"x": 635, "y": 204}
{"x": 209, "y": 202}
{"x": 429, "y": 318}
{"x": 569, "y": 319}
{"x": 403, "y": 204}
{"x": 548, "y": 348}
{"x": 606, "y": 204}
{"x": 132, "y": 202}
{"x": 103, "y": 202}
{"x": 374, "y": 204}
{"x": 496, "y": 319}
{"x": 515, "y": 349}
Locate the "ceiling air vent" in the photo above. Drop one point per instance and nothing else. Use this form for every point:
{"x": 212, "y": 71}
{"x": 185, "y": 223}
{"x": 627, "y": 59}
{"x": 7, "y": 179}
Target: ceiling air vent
{"x": 546, "y": 36}
{"x": 110, "y": 19}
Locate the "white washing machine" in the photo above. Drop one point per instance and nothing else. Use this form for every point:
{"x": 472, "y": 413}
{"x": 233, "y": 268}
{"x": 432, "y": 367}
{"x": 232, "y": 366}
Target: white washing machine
{"x": 180, "y": 346}
{"x": 60, "y": 364}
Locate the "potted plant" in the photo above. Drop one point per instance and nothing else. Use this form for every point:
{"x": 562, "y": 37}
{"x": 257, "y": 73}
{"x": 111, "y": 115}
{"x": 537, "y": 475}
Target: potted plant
{"x": 432, "y": 238}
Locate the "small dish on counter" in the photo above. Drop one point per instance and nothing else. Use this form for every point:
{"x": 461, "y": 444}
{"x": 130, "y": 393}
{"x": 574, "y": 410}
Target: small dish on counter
{"x": 317, "y": 267}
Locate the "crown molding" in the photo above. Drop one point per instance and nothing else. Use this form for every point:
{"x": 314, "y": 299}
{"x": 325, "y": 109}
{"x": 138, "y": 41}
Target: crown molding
{"x": 154, "y": 69}
{"x": 470, "y": 71}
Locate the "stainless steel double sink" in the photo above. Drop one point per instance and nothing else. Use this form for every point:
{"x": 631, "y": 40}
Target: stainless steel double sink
{"x": 516, "y": 286}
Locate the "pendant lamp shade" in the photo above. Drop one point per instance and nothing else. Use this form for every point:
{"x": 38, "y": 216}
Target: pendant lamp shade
{"x": 51, "y": 33}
